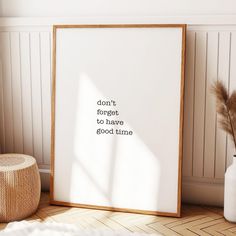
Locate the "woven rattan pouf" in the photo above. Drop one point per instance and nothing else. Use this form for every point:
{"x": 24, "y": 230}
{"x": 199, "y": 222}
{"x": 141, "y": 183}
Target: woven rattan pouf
{"x": 19, "y": 186}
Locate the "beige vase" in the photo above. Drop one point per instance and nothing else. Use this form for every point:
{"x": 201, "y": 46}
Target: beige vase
{"x": 230, "y": 192}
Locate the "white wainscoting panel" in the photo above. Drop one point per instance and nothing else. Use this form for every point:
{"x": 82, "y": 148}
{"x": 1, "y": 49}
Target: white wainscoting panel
{"x": 25, "y": 82}
{"x": 25, "y": 93}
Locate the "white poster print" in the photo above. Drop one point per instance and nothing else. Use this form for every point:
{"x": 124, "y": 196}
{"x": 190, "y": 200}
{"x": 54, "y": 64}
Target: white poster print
{"x": 118, "y": 118}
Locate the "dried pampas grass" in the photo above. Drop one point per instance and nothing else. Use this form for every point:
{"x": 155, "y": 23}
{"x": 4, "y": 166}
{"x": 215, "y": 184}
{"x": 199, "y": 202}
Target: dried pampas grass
{"x": 226, "y": 108}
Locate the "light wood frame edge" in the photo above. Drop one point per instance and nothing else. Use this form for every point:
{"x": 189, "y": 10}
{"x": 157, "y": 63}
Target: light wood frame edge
{"x": 53, "y": 103}
{"x": 106, "y": 208}
{"x": 181, "y": 123}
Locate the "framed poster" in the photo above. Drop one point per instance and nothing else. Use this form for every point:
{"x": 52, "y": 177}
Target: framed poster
{"x": 117, "y": 117}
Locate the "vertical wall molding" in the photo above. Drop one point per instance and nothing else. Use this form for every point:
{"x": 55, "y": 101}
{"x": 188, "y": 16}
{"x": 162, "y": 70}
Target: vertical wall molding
{"x": 25, "y": 91}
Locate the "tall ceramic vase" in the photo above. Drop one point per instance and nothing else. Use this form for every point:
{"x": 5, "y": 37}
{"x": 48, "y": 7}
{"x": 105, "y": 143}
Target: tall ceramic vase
{"x": 230, "y": 192}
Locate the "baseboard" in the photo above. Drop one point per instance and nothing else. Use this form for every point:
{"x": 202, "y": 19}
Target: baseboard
{"x": 192, "y": 191}
{"x": 203, "y": 193}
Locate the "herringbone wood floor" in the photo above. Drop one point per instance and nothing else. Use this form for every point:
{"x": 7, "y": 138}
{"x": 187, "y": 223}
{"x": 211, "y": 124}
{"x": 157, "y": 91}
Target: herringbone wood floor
{"x": 195, "y": 220}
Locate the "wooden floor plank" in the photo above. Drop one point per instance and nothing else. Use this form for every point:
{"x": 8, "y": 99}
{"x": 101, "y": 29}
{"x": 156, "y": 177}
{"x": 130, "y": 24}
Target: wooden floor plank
{"x": 195, "y": 220}
{"x": 163, "y": 230}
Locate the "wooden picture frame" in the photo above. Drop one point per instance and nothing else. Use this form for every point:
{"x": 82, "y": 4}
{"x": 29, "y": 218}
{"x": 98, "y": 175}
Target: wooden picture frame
{"x": 72, "y": 41}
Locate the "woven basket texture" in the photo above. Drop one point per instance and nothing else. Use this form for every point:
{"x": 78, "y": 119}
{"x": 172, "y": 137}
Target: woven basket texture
{"x": 19, "y": 187}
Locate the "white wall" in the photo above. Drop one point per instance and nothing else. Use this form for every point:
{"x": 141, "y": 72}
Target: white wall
{"x": 25, "y": 76}
{"x": 71, "y": 8}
